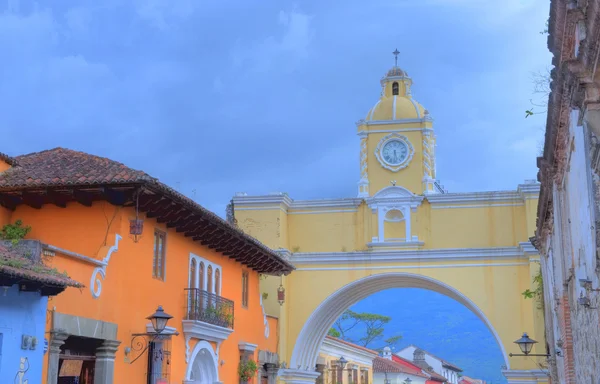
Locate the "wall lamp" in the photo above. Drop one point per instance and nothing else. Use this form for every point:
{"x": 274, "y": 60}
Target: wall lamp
{"x": 140, "y": 342}
{"x": 526, "y": 345}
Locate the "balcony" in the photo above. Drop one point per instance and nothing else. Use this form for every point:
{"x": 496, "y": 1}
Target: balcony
{"x": 209, "y": 308}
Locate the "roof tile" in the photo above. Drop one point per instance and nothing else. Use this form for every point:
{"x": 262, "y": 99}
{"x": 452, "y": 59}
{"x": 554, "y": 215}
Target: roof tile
{"x": 14, "y": 263}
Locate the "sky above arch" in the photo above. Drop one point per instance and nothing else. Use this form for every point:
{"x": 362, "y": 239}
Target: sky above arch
{"x": 215, "y": 97}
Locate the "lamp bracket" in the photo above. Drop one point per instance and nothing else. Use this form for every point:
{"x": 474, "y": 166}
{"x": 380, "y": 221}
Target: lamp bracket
{"x": 140, "y": 342}
{"x": 529, "y": 354}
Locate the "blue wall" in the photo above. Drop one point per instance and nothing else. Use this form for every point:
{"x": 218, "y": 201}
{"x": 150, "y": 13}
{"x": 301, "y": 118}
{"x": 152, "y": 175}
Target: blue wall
{"x": 21, "y": 313}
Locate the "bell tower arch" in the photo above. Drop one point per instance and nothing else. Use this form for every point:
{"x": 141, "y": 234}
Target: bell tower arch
{"x": 397, "y": 141}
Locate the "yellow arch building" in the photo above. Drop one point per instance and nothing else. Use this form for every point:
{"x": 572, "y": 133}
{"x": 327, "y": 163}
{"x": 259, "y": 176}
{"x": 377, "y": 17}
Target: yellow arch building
{"x": 402, "y": 230}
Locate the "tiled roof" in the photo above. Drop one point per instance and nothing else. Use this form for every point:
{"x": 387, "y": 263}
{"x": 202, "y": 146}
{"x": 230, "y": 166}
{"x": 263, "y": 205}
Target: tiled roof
{"x": 437, "y": 377}
{"x": 7, "y": 159}
{"x": 62, "y": 168}
{"x": 381, "y": 364}
{"x": 14, "y": 264}
{"x": 410, "y": 367}
{"x": 352, "y": 344}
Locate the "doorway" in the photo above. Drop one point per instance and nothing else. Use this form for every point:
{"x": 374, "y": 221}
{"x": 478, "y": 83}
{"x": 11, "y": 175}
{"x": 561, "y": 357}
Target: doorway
{"x": 77, "y": 360}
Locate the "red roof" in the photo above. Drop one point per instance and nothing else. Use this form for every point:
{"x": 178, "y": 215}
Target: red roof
{"x": 409, "y": 366}
{"x": 61, "y": 175}
{"x": 7, "y": 159}
{"x": 381, "y": 364}
{"x": 351, "y": 344}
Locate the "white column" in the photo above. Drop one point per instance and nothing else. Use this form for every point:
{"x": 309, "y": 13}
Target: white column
{"x": 406, "y": 213}
{"x": 381, "y": 221}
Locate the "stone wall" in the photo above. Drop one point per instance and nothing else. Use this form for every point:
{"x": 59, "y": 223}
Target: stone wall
{"x": 568, "y": 228}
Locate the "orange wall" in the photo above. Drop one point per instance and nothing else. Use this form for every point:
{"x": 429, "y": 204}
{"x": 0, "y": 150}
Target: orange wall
{"x": 3, "y": 166}
{"x": 5, "y": 215}
{"x": 129, "y": 293}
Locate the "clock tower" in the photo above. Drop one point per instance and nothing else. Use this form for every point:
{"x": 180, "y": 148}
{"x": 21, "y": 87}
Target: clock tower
{"x": 397, "y": 142}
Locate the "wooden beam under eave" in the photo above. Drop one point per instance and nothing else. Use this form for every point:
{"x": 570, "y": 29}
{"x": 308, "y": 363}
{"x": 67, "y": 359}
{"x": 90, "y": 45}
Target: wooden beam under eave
{"x": 58, "y": 199}
{"x": 83, "y": 198}
{"x": 33, "y": 200}
{"x": 10, "y": 202}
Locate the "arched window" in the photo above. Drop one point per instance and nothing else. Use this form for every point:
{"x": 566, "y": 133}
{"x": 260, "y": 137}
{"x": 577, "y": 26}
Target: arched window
{"x": 201, "y": 279}
{"x": 395, "y": 89}
{"x": 209, "y": 280}
{"x": 218, "y": 282}
{"x": 193, "y": 274}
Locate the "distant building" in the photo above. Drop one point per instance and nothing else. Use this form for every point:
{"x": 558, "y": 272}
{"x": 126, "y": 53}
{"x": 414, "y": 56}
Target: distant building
{"x": 25, "y": 284}
{"x": 396, "y": 370}
{"x": 430, "y": 362}
{"x": 468, "y": 380}
{"x": 355, "y": 368}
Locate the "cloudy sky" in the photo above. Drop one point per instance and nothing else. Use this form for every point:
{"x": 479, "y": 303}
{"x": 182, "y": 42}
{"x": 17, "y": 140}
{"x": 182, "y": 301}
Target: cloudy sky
{"x": 219, "y": 96}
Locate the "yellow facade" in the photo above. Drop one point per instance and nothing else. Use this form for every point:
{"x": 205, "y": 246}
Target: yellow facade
{"x": 401, "y": 230}
{"x": 358, "y": 368}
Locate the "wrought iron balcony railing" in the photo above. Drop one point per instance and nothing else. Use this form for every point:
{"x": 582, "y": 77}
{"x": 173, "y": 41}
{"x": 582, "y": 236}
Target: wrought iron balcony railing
{"x": 209, "y": 308}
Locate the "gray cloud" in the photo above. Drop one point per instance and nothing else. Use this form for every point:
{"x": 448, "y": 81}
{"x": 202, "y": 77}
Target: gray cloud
{"x": 226, "y": 96}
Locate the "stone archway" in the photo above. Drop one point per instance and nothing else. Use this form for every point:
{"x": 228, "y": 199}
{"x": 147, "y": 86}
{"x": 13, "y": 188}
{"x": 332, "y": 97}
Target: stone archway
{"x": 308, "y": 343}
{"x": 203, "y": 367}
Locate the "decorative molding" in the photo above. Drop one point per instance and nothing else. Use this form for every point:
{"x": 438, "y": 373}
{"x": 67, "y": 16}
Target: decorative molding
{"x": 209, "y": 371}
{"x": 298, "y": 376}
{"x": 73, "y": 255}
{"x": 169, "y": 331}
{"x": 247, "y": 347}
{"x": 205, "y": 331}
{"x": 420, "y": 266}
{"x": 394, "y": 137}
{"x": 394, "y": 195}
{"x": 207, "y": 263}
{"x": 523, "y": 192}
{"x": 523, "y": 250}
{"x": 390, "y": 243}
{"x": 265, "y": 202}
{"x": 355, "y": 354}
{"x": 512, "y": 374}
{"x": 95, "y": 282}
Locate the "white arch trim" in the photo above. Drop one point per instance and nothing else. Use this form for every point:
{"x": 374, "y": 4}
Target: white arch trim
{"x": 204, "y": 347}
{"x": 308, "y": 344}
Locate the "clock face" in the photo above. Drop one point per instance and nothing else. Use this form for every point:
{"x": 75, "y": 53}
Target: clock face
{"x": 394, "y": 152}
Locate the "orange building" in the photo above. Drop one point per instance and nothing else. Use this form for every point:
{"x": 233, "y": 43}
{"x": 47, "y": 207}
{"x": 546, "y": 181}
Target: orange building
{"x": 137, "y": 244}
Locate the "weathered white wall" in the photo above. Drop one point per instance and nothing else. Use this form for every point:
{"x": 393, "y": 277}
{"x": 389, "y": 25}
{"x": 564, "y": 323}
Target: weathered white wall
{"x": 570, "y": 256}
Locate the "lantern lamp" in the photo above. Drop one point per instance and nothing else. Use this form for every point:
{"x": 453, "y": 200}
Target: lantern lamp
{"x": 526, "y": 345}
{"x": 159, "y": 319}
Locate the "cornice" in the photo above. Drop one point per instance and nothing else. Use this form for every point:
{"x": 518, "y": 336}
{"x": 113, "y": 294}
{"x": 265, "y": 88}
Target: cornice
{"x": 523, "y": 192}
{"x": 205, "y": 331}
{"x": 526, "y": 191}
{"x": 356, "y": 355}
{"x": 523, "y": 250}
{"x": 392, "y": 244}
{"x": 284, "y": 202}
{"x": 520, "y": 374}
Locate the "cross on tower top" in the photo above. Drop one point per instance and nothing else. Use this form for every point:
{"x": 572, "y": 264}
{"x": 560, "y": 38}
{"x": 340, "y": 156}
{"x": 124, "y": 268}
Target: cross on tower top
{"x": 396, "y": 53}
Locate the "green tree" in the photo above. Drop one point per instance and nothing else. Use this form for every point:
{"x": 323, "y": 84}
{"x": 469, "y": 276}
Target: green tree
{"x": 370, "y": 326}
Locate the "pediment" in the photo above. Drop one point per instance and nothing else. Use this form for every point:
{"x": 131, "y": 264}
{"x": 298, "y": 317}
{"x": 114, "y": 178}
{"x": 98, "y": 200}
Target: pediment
{"x": 394, "y": 192}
